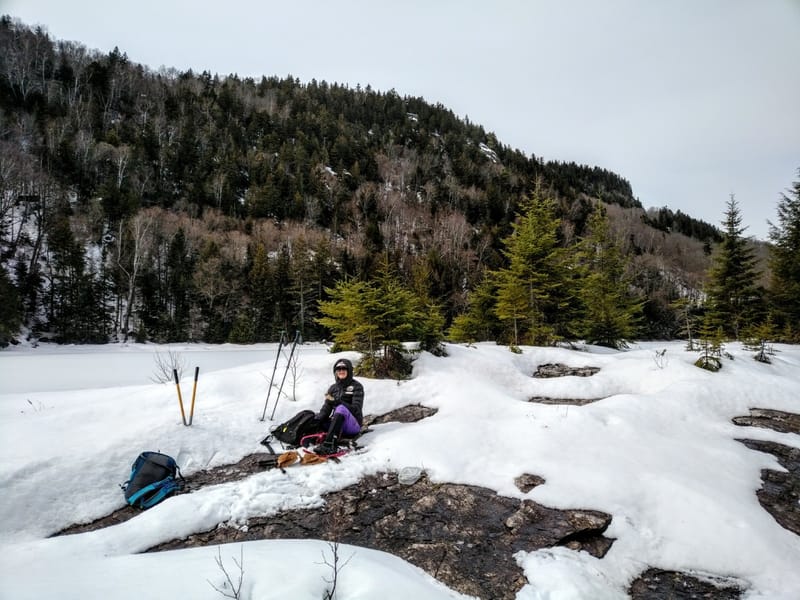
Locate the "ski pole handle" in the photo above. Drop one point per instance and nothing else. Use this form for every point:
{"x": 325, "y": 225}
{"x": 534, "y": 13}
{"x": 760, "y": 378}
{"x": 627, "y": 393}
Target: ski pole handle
{"x": 194, "y": 391}
{"x": 180, "y": 399}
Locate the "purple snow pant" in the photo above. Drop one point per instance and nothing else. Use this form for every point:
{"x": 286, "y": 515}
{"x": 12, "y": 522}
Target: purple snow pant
{"x": 350, "y": 426}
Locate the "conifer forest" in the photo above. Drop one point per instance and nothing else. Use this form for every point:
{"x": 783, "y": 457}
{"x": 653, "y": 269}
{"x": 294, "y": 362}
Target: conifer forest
{"x": 166, "y": 206}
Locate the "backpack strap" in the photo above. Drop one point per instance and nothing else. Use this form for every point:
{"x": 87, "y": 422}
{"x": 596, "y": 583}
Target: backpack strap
{"x": 162, "y": 489}
{"x": 266, "y": 442}
{"x": 165, "y": 491}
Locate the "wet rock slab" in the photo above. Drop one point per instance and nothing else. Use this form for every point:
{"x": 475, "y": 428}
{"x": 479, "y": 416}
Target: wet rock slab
{"x": 561, "y": 370}
{"x": 780, "y": 492}
{"x": 563, "y": 401}
{"x": 550, "y": 370}
{"x": 656, "y": 584}
{"x": 405, "y": 414}
{"x": 465, "y": 536}
{"x": 778, "y": 420}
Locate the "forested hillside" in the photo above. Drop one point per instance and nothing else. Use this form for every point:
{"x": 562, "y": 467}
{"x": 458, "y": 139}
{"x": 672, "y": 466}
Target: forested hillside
{"x": 170, "y": 206}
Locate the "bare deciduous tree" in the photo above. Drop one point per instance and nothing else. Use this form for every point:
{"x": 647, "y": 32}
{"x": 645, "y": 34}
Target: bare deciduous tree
{"x": 137, "y": 230}
{"x": 335, "y": 563}
{"x": 229, "y": 588}
{"x": 166, "y": 365}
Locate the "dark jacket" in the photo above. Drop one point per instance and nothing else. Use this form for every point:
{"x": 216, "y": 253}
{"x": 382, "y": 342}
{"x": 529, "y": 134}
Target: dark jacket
{"x": 347, "y": 391}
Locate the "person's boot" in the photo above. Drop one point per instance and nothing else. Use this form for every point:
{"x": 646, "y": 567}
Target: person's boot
{"x": 328, "y": 445}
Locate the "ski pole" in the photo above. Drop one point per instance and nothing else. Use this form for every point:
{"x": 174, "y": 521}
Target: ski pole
{"x": 281, "y": 342}
{"x": 180, "y": 400}
{"x": 288, "y": 365}
{"x": 194, "y": 391}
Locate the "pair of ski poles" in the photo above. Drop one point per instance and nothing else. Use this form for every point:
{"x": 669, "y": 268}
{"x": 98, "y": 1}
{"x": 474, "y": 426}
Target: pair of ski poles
{"x": 282, "y": 343}
{"x": 180, "y": 398}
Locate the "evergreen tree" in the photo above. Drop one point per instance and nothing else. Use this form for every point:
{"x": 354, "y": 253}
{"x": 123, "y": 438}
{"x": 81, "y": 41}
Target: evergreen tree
{"x": 375, "y": 317}
{"x": 531, "y": 288}
{"x": 785, "y": 264}
{"x": 732, "y": 294}
{"x": 180, "y": 265}
{"x": 346, "y": 315}
{"x": 430, "y": 325}
{"x": 479, "y": 322}
{"x": 686, "y": 312}
{"x": 75, "y": 311}
{"x": 611, "y": 312}
{"x": 10, "y": 309}
{"x": 284, "y": 316}
{"x": 711, "y": 345}
{"x": 759, "y": 339}
{"x": 261, "y": 299}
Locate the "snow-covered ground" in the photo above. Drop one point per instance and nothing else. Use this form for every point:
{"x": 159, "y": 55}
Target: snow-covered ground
{"x": 658, "y": 453}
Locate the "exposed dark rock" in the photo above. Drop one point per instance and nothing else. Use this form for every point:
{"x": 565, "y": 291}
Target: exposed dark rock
{"x": 561, "y": 370}
{"x": 465, "y": 536}
{"x": 770, "y": 419}
{"x": 656, "y": 584}
{"x": 118, "y": 516}
{"x": 405, "y": 414}
{"x": 780, "y": 492}
{"x": 527, "y": 481}
{"x": 569, "y": 401}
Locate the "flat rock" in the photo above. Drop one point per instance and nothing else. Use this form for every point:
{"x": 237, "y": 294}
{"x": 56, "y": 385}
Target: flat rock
{"x": 527, "y": 481}
{"x": 564, "y": 401}
{"x": 657, "y": 584}
{"x": 778, "y": 420}
{"x": 562, "y": 370}
{"x": 405, "y": 414}
{"x": 780, "y": 492}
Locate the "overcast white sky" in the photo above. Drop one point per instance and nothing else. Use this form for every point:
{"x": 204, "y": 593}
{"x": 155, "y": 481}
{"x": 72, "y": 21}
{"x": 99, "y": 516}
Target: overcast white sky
{"x": 689, "y": 100}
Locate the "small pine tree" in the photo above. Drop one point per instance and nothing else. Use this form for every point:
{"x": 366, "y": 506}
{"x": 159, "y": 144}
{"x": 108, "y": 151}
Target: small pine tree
{"x": 711, "y": 346}
{"x": 684, "y": 308}
{"x": 759, "y": 340}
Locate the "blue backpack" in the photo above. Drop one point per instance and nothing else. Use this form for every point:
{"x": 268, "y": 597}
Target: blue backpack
{"x": 154, "y": 476}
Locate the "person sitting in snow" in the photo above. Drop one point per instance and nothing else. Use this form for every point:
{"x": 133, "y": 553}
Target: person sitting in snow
{"x": 341, "y": 414}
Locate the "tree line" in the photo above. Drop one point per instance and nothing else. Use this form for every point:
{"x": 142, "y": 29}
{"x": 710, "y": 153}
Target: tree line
{"x": 171, "y": 206}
